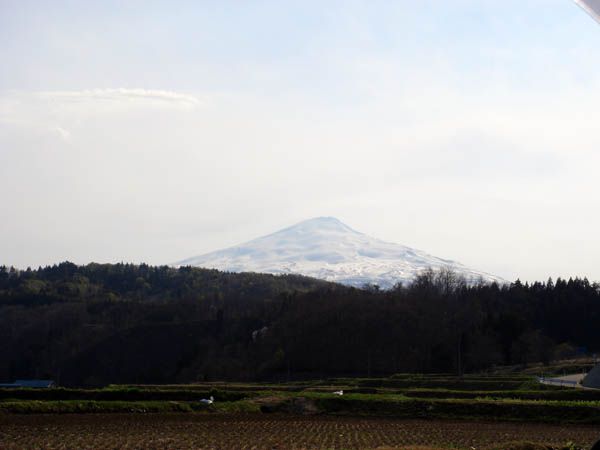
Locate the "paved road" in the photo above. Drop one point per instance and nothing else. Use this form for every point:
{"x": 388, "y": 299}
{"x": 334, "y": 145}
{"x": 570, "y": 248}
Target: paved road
{"x": 566, "y": 381}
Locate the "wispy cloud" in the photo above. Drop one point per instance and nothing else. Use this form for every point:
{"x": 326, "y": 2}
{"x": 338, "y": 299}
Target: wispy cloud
{"x": 121, "y": 94}
{"x": 59, "y": 112}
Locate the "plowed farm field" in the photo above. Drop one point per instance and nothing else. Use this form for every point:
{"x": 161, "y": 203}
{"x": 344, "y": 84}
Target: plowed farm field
{"x": 203, "y": 431}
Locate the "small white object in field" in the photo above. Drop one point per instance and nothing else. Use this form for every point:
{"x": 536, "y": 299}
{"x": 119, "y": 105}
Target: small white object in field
{"x": 338, "y": 393}
{"x": 207, "y": 401}
{"x": 592, "y": 7}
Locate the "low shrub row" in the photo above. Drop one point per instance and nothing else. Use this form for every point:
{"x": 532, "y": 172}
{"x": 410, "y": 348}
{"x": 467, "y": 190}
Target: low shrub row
{"x": 91, "y": 406}
{"x": 128, "y": 394}
{"x": 549, "y": 394}
{"x": 354, "y": 404}
{"x": 468, "y": 377}
{"x": 465, "y": 409}
{"x": 447, "y": 383}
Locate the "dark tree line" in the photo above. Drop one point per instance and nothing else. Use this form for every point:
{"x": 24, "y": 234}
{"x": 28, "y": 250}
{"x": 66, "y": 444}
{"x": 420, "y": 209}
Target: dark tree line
{"x": 114, "y": 323}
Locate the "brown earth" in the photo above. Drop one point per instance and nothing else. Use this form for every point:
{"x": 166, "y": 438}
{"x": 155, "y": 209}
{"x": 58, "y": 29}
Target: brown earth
{"x": 254, "y": 431}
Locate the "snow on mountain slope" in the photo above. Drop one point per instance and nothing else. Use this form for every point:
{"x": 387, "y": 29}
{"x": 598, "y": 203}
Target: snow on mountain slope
{"x": 325, "y": 248}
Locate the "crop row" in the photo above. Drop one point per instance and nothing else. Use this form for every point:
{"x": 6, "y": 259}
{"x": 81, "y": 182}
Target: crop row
{"x": 268, "y": 432}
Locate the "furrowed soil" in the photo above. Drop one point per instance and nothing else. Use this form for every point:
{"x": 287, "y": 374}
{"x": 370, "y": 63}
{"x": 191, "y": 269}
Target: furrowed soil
{"x": 255, "y": 431}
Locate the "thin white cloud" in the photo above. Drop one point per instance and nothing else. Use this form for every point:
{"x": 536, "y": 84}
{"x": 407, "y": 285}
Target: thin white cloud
{"x": 58, "y": 113}
{"x": 121, "y": 94}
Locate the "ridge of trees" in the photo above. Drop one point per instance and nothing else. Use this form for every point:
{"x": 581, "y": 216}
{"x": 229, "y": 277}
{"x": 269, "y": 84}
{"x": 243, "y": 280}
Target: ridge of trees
{"x": 123, "y": 323}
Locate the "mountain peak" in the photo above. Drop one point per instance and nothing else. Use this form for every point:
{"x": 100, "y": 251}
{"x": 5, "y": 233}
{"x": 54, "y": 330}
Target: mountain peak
{"x": 324, "y": 220}
{"x": 326, "y": 248}
{"x": 319, "y": 224}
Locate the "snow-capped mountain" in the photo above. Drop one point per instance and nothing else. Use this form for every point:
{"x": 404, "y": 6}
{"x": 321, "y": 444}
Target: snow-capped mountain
{"x": 325, "y": 248}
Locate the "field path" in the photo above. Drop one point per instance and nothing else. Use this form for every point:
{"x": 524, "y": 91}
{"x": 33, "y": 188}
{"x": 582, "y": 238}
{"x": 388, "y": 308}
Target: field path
{"x": 187, "y": 431}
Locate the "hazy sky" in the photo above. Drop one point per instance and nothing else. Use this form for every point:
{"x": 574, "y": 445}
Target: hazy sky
{"x": 155, "y": 131}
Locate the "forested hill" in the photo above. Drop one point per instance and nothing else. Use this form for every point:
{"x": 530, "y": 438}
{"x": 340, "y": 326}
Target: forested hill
{"x": 122, "y": 323}
{"x": 128, "y": 282}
